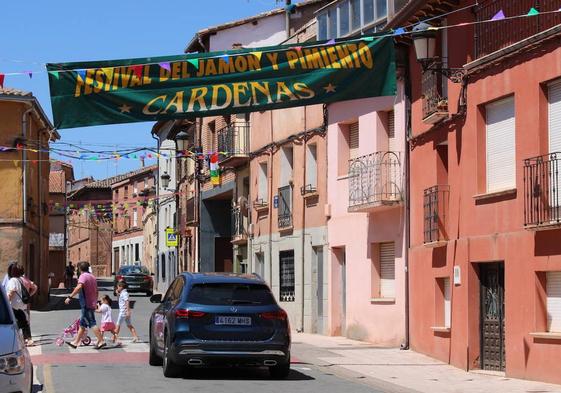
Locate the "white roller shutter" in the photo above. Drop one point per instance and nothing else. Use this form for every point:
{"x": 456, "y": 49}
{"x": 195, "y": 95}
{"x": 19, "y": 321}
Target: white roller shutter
{"x": 501, "y": 155}
{"x": 553, "y": 289}
{"x": 387, "y": 270}
{"x": 392, "y": 142}
{"x": 353, "y": 140}
{"x": 554, "y": 116}
{"x": 447, "y": 303}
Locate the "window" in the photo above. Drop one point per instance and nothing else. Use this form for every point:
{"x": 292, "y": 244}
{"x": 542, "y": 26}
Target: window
{"x": 447, "y": 302}
{"x": 392, "y": 142}
{"x": 286, "y": 263}
{"x": 353, "y": 140}
{"x": 135, "y": 188}
{"x": 137, "y": 252}
{"x": 368, "y": 7}
{"x": 263, "y": 182}
{"x": 286, "y": 165}
{"x": 126, "y": 192}
{"x": 332, "y": 22}
{"x": 135, "y": 218}
{"x": 554, "y": 116}
{"x": 349, "y": 16}
{"x": 500, "y": 144}
{"x": 553, "y": 290}
{"x": 344, "y": 26}
{"x": 387, "y": 270}
{"x": 260, "y": 264}
{"x": 322, "y": 26}
{"x": 312, "y": 166}
{"x": 218, "y": 294}
{"x": 355, "y": 15}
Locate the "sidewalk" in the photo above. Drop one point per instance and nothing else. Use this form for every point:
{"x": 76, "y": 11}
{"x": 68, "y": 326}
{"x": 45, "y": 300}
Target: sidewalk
{"x": 395, "y": 370}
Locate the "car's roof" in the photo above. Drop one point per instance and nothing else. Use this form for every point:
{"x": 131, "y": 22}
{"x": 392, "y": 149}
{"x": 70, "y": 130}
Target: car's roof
{"x": 237, "y": 278}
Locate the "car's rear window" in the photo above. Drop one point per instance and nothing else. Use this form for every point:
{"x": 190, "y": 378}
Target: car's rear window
{"x": 217, "y": 294}
{"x": 5, "y": 318}
{"x": 133, "y": 270}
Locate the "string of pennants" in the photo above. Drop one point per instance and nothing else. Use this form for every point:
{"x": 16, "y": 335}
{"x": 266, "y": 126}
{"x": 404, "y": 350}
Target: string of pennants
{"x": 138, "y": 69}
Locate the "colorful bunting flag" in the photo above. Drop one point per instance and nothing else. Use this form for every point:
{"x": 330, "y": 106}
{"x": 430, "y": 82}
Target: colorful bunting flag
{"x": 137, "y": 70}
{"x": 55, "y": 74}
{"x": 194, "y": 63}
{"x": 214, "y": 171}
{"x": 499, "y": 15}
{"x": 330, "y": 42}
{"x": 82, "y": 74}
{"x": 368, "y": 39}
{"x": 165, "y": 66}
{"x": 533, "y": 12}
{"x": 226, "y": 58}
{"x": 30, "y": 74}
{"x": 257, "y": 54}
{"x": 2, "y": 76}
{"x": 399, "y": 31}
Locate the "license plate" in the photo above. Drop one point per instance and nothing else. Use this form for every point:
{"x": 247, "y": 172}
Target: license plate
{"x": 134, "y": 286}
{"x": 239, "y": 321}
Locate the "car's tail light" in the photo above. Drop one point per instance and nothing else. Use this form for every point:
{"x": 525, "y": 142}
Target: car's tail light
{"x": 147, "y": 278}
{"x": 186, "y": 314}
{"x": 276, "y": 315}
{"x": 120, "y": 278}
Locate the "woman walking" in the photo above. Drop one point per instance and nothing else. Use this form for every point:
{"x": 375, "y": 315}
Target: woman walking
{"x": 15, "y": 290}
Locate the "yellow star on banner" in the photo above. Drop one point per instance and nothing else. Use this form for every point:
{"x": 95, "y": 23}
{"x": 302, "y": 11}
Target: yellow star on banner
{"x": 329, "y": 88}
{"x": 125, "y": 108}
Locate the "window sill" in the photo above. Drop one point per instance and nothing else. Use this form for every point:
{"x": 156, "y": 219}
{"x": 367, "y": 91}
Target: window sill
{"x": 440, "y": 329}
{"x": 495, "y": 194}
{"x": 547, "y": 335}
{"x": 382, "y": 300}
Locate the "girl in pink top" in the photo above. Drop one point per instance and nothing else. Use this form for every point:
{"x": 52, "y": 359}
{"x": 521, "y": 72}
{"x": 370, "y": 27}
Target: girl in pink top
{"x": 107, "y": 325}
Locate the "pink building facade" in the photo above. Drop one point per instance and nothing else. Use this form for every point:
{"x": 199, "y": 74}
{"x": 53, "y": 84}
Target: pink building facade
{"x": 367, "y": 225}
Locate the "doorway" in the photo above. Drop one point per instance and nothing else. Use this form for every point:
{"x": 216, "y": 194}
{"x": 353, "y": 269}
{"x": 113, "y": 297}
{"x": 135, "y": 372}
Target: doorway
{"x": 223, "y": 251}
{"x": 317, "y": 290}
{"x": 492, "y": 316}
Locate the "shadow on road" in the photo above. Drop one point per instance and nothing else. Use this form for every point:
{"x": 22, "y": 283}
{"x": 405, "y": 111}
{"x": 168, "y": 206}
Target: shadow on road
{"x": 239, "y": 374}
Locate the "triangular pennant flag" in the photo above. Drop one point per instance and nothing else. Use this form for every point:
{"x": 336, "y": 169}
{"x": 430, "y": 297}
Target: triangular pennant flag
{"x": 257, "y": 54}
{"x": 194, "y": 63}
{"x": 55, "y": 74}
{"x": 82, "y": 74}
{"x": 2, "y": 76}
{"x": 226, "y": 58}
{"x": 399, "y": 31}
{"x": 532, "y": 12}
{"x": 432, "y": 28}
{"x": 330, "y": 42}
{"x": 30, "y": 74}
{"x": 499, "y": 15}
{"x": 137, "y": 70}
{"x": 165, "y": 66}
{"x": 368, "y": 39}
{"x": 298, "y": 48}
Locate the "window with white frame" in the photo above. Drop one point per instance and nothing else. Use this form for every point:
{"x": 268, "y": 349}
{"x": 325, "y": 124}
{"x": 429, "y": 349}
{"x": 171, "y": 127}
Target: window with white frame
{"x": 447, "y": 302}
{"x": 312, "y": 167}
{"x": 387, "y": 270}
{"x": 349, "y": 16}
{"x": 286, "y": 264}
{"x": 553, "y": 290}
{"x": 135, "y": 218}
{"x": 287, "y": 153}
{"x": 500, "y": 145}
{"x": 354, "y": 140}
{"x": 262, "y": 182}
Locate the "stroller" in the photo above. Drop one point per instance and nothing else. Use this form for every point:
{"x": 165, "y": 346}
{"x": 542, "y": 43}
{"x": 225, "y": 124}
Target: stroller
{"x": 70, "y": 331}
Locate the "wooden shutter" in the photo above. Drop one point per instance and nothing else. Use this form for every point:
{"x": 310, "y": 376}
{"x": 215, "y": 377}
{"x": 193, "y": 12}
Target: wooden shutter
{"x": 554, "y": 116}
{"x": 553, "y": 289}
{"x": 447, "y": 303}
{"x": 353, "y": 140}
{"x": 392, "y": 142}
{"x": 501, "y": 158}
{"x": 387, "y": 270}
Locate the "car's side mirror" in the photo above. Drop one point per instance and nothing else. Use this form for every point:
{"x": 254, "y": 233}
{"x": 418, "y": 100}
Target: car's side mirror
{"x": 152, "y": 274}
{"x": 157, "y": 298}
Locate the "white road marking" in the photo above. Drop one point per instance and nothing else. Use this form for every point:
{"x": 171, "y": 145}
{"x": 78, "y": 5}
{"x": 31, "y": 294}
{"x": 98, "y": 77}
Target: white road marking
{"x": 135, "y": 347}
{"x": 35, "y": 350}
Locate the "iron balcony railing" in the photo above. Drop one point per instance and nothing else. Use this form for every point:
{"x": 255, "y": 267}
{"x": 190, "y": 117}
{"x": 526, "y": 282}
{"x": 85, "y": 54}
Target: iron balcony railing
{"x": 233, "y": 140}
{"x": 375, "y": 179}
{"x": 542, "y": 198}
{"x": 239, "y": 228}
{"x": 435, "y": 203}
{"x": 491, "y": 37}
{"x": 433, "y": 98}
{"x": 285, "y": 207}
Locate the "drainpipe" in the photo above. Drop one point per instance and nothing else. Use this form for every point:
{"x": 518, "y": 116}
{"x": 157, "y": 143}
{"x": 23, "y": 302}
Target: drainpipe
{"x": 157, "y": 205}
{"x": 271, "y": 206}
{"x": 287, "y": 17}
{"x": 24, "y": 127}
{"x": 302, "y": 270}
{"x": 199, "y": 201}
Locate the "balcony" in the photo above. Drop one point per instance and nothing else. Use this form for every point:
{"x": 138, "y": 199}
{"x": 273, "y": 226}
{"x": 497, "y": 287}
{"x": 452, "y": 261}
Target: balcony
{"x": 239, "y": 225}
{"x": 491, "y": 37}
{"x": 435, "y": 203}
{"x": 233, "y": 141}
{"x": 435, "y": 102}
{"x": 285, "y": 208}
{"x": 375, "y": 181}
{"x": 542, "y": 199}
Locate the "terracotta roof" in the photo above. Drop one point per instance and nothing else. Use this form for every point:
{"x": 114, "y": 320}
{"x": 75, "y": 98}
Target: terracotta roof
{"x": 107, "y": 183}
{"x": 10, "y": 91}
{"x": 56, "y": 182}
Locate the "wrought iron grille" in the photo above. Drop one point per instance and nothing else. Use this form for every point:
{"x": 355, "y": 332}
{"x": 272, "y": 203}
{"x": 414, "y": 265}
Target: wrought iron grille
{"x": 286, "y": 264}
{"x": 233, "y": 140}
{"x": 375, "y": 179}
{"x": 491, "y": 37}
{"x": 238, "y": 224}
{"x": 542, "y": 199}
{"x": 435, "y": 202}
{"x": 285, "y": 207}
{"x": 433, "y": 98}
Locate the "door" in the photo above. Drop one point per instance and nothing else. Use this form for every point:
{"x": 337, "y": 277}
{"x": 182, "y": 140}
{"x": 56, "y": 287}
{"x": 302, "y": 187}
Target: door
{"x": 343, "y": 262}
{"x": 317, "y": 273}
{"x": 223, "y": 254}
{"x": 492, "y": 317}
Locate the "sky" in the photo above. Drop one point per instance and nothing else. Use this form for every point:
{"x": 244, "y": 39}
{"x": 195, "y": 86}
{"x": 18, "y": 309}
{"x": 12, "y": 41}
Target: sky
{"x": 35, "y": 32}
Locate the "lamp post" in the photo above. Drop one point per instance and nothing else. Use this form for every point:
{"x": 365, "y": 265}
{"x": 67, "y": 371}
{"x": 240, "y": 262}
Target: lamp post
{"x": 424, "y": 40}
{"x": 165, "y": 178}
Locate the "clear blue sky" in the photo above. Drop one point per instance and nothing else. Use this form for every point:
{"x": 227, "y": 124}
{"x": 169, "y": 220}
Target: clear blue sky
{"x": 36, "y": 32}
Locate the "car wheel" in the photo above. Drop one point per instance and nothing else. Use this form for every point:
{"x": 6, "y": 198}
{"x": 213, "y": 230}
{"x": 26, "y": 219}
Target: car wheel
{"x": 171, "y": 370}
{"x": 280, "y": 371}
{"x": 153, "y": 358}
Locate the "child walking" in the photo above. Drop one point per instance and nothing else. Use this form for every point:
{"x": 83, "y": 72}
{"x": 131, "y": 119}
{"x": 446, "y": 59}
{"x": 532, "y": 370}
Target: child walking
{"x": 107, "y": 324}
{"x": 125, "y": 311}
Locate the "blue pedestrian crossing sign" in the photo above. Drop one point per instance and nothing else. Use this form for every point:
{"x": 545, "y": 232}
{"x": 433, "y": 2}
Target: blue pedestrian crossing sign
{"x": 172, "y": 238}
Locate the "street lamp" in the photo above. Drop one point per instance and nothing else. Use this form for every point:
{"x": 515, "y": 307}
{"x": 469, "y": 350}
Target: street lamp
{"x": 165, "y": 178}
{"x": 182, "y": 141}
{"x": 424, "y": 40}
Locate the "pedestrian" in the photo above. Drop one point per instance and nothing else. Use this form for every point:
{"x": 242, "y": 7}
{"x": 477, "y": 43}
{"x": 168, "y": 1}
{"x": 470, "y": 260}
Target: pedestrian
{"x": 125, "y": 312}
{"x": 15, "y": 290}
{"x": 68, "y": 275}
{"x": 87, "y": 288}
{"x": 107, "y": 325}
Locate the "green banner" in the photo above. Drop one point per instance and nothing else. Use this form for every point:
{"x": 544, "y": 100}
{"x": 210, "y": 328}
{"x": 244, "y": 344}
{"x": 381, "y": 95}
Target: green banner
{"x": 218, "y": 83}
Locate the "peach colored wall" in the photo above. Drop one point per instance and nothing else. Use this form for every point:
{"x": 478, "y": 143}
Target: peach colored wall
{"x": 489, "y": 230}
{"x": 383, "y": 324}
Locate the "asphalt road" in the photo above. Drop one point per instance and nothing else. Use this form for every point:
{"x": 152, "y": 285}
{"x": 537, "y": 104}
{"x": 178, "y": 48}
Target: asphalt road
{"x": 126, "y": 369}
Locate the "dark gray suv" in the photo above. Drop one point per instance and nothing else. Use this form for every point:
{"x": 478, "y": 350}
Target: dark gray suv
{"x": 208, "y": 319}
